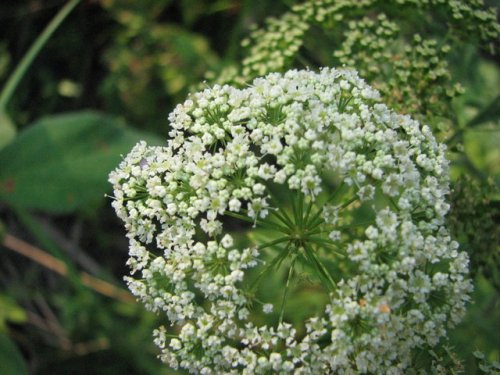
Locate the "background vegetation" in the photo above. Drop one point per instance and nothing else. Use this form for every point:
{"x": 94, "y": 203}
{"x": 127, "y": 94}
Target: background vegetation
{"x": 108, "y": 76}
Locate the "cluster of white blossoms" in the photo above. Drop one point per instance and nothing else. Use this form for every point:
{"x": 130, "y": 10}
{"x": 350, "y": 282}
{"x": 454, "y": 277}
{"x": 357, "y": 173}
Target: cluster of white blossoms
{"x": 274, "y": 46}
{"x": 294, "y": 226}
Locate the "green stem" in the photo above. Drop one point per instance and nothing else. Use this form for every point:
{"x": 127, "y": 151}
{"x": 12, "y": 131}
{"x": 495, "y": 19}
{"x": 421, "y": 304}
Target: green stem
{"x": 276, "y": 261}
{"x": 316, "y": 231}
{"x": 30, "y": 56}
{"x": 323, "y": 272}
{"x": 353, "y": 225}
{"x": 317, "y": 215}
{"x": 394, "y": 204}
{"x": 315, "y": 224}
{"x": 283, "y": 218}
{"x": 287, "y": 288}
{"x": 322, "y": 241}
{"x": 263, "y": 224}
{"x": 270, "y": 224}
{"x": 275, "y": 242}
{"x": 308, "y": 212}
{"x": 294, "y": 209}
{"x": 300, "y": 209}
{"x": 317, "y": 220}
{"x": 353, "y": 199}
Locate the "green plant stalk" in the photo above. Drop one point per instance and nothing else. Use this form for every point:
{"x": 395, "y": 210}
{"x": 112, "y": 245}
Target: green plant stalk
{"x": 3, "y": 232}
{"x": 287, "y": 288}
{"x": 30, "y": 56}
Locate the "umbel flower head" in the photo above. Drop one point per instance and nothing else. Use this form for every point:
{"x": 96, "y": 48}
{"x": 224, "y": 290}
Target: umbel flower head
{"x": 294, "y": 226}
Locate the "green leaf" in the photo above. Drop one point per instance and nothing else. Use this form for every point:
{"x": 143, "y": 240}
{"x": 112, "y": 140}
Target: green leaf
{"x": 61, "y": 163}
{"x": 11, "y": 360}
{"x": 10, "y": 311}
{"x": 7, "y": 129}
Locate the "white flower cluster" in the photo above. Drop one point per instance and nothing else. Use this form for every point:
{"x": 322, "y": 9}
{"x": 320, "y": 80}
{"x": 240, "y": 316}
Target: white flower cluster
{"x": 380, "y": 47}
{"x": 339, "y": 196}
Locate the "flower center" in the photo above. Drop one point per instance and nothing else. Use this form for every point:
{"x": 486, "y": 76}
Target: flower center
{"x": 297, "y": 249}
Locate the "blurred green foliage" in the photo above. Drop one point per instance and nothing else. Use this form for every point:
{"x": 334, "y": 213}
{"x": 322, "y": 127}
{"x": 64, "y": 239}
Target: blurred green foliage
{"x": 52, "y": 150}
{"x": 11, "y": 360}
{"x": 131, "y": 62}
{"x": 151, "y": 64}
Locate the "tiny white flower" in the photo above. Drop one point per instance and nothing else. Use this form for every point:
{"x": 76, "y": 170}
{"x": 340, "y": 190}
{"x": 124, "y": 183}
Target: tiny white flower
{"x": 227, "y": 241}
{"x": 267, "y": 308}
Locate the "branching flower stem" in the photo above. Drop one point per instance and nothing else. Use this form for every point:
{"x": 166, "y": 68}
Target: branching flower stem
{"x": 287, "y": 287}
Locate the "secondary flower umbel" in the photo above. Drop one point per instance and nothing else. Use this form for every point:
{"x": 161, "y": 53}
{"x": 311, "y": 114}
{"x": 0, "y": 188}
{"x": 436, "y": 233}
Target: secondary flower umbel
{"x": 295, "y": 226}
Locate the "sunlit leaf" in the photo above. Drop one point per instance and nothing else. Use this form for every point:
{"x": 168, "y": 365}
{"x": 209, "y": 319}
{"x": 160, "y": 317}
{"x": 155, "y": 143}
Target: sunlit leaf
{"x": 10, "y": 311}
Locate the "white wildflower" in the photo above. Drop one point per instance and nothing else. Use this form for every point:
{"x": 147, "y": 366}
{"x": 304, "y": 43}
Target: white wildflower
{"x": 285, "y": 187}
